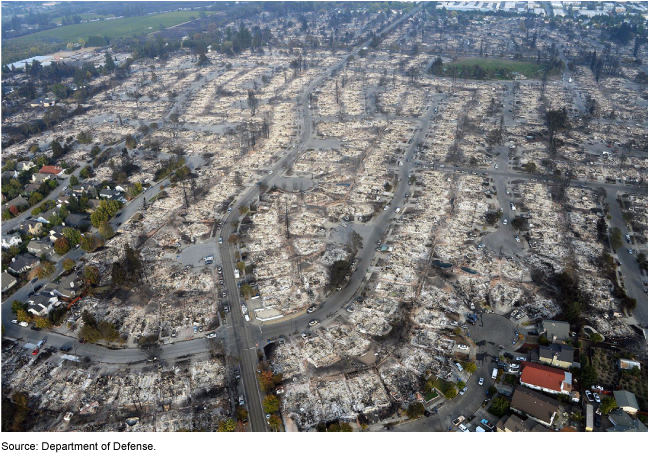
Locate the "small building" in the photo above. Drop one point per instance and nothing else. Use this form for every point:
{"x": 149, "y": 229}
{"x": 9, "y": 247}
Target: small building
{"x": 588, "y": 410}
{"x": 8, "y": 281}
{"x": 558, "y": 355}
{"x": 556, "y": 332}
{"x": 535, "y": 405}
{"x": 625, "y": 364}
{"x": 545, "y": 378}
{"x": 11, "y": 240}
{"x": 626, "y": 401}
{"x": 22, "y": 262}
{"x": 43, "y": 102}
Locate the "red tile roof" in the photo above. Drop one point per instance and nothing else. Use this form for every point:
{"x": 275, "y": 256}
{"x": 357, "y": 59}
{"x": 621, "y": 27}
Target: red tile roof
{"x": 543, "y": 376}
{"x": 54, "y": 170}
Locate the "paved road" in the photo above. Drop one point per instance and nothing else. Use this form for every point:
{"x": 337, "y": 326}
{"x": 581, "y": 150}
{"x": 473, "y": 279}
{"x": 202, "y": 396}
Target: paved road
{"x": 632, "y": 275}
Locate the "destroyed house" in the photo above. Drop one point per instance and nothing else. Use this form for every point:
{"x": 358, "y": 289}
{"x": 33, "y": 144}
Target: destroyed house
{"x": 544, "y": 378}
{"x": 537, "y": 406}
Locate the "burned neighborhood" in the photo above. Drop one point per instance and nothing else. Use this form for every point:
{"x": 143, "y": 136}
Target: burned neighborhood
{"x": 324, "y": 217}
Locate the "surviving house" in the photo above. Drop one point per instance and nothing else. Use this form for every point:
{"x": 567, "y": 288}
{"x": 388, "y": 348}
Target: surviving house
{"x": 51, "y": 170}
{"x": 628, "y": 364}
{"x": 8, "y": 281}
{"x": 535, "y": 405}
{"x": 39, "y": 248}
{"x": 558, "y": 355}
{"x": 622, "y": 422}
{"x": 77, "y": 220}
{"x": 22, "y": 262}
{"x": 18, "y": 202}
{"x": 626, "y": 401}
{"x": 556, "y": 332}
{"x": 11, "y": 240}
{"x": 545, "y": 378}
{"x": 514, "y": 423}
{"x": 42, "y": 304}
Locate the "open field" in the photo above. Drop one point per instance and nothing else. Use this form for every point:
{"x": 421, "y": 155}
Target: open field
{"x": 494, "y": 68}
{"x": 48, "y": 41}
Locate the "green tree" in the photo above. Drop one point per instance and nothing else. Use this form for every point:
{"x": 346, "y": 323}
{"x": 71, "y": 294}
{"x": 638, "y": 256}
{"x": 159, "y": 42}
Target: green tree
{"x": 275, "y": 422}
{"x": 91, "y": 274}
{"x": 607, "y": 405}
{"x": 469, "y": 367}
{"x": 460, "y": 384}
{"x": 595, "y": 337}
{"x": 451, "y": 393}
{"x": 23, "y": 316}
{"x": 241, "y": 266}
{"x": 18, "y": 306}
{"x": 228, "y": 425}
{"x": 499, "y": 406}
{"x": 588, "y": 376}
{"x": 616, "y": 238}
{"x": 61, "y": 246}
{"x": 105, "y": 230}
{"x": 68, "y": 264}
{"x": 271, "y": 404}
{"x": 72, "y": 235}
{"x": 243, "y": 210}
{"x": 85, "y": 137}
{"x": 345, "y": 427}
{"x": 415, "y": 410}
{"x": 530, "y": 167}
{"x": 246, "y": 290}
{"x": 35, "y": 198}
{"x": 42, "y": 322}
{"x": 242, "y": 414}
{"x": 74, "y": 181}
{"x": 130, "y": 142}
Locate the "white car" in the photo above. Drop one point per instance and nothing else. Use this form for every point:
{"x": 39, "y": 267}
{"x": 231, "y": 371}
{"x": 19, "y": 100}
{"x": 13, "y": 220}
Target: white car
{"x": 211, "y": 335}
{"x": 505, "y": 222}
{"x": 463, "y": 428}
{"x": 496, "y": 166}
{"x": 386, "y": 208}
{"x": 520, "y": 358}
{"x": 596, "y": 397}
{"x": 589, "y": 396}
{"x": 24, "y": 324}
{"x": 270, "y": 172}
{"x": 15, "y": 322}
{"x": 480, "y": 381}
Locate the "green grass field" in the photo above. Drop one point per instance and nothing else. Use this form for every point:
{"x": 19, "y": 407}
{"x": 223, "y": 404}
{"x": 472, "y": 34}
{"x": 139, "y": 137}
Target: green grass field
{"x": 497, "y": 68}
{"x": 84, "y": 16}
{"x": 49, "y": 41}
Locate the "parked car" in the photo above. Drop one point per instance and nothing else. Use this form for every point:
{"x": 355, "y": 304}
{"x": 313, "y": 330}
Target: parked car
{"x": 520, "y": 358}
{"x": 463, "y": 428}
{"x": 596, "y": 397}
{"x": 311, "y": 309}
{"x": 480, "y": 381}
{"x": 65, "y": 349}
{"x": 241, "y": 400}
{"x": 487, "y": 424}
{"x": 313, "y": 322}
{"x": 589, "y": 396}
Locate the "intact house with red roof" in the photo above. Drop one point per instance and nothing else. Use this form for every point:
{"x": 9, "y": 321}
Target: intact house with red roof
{"x": 51, "y": 170}
{"x": 545, "y": 378}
